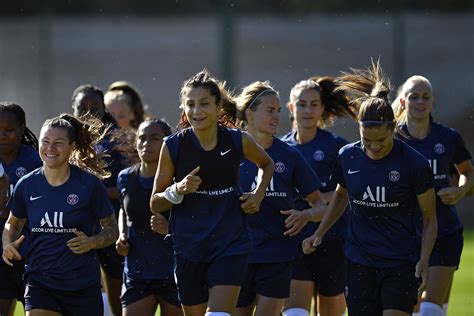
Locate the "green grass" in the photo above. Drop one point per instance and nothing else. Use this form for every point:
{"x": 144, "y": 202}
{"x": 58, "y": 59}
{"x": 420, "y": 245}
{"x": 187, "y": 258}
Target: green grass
{"x": 462, "y": 294}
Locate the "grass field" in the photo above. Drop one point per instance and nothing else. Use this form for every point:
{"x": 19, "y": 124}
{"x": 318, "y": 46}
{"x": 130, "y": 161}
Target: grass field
{"x": 462, "y": 296}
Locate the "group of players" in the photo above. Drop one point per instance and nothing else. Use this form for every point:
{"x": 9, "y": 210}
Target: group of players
{"x": 225, "y": 218}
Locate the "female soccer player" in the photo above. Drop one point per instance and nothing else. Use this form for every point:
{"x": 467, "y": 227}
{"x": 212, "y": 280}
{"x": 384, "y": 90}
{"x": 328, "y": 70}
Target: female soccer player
{"x": 124, "y": 103}
{"x": 313, "y": 105}
{"x": 19, "y": 156}
{"x": 211, "y": 239}
{"x": 442, "y": 146}
{"x": 62, "y": 202}
{"x": 275, "y": 226}
{"x": 387, "y": 184}
{"x": 88, "y": 102}
{"x": 148, "y": 270}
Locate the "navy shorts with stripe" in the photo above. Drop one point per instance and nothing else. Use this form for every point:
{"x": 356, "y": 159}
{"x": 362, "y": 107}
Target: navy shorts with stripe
{"x": 69, "y": 303}
{"x": 266, "y": 279}
{"x": 447, "y": 251}
{"x": 326, "y": 266}
{"x": 135, "y": 290}
{"x": 371, "y": 290}
{"x": 195, "y": 278}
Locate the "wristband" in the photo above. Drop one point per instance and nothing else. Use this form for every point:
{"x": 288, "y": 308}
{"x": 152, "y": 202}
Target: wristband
{"x": 172, "y": 195}
{"x": 2, "y": 171}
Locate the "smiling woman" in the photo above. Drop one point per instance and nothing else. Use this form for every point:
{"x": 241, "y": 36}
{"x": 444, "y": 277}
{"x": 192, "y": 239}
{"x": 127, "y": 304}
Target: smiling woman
{"x": 62, "y": 270}
{"x": 197, "y": 177}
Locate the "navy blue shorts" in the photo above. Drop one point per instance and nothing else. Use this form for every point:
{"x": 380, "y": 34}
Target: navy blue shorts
{"x": 111, "y": 261}
{"x": 447, "y": 251}
{"x": 12, "y": 286}
{"x": 371, "y": 290}
{"x": 326, "y": 266}
{"x": 69, "y": 303}
{"x": 266, "y": 279}
{"x": 135, "y": 290}
{"x": 195, "y": 278}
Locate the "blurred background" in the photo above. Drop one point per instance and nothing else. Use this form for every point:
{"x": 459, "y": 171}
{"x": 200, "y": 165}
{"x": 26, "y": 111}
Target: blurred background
{"x": 49, "y": 47}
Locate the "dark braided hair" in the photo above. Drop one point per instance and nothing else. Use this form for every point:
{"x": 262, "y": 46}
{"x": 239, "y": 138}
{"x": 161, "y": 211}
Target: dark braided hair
{"x": 17, "y": 111}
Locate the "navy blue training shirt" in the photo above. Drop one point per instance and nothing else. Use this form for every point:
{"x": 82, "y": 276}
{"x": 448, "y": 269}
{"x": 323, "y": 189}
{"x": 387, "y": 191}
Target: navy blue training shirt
{"x": 268, "y": 225}
{"x": 53, "y": 214}
{"x": 384, "y": 207}
{"x": 321, "y": 154}
{"x": 442, "y": 147}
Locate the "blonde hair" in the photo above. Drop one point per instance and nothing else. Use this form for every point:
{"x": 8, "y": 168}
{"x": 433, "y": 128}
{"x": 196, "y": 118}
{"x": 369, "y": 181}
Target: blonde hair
{"x": 249, "y": 98}
{"x": 398, "y": 109}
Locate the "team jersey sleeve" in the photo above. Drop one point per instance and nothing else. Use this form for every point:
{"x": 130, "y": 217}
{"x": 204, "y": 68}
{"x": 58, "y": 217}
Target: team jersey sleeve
{"x": 16, "y": 203}
{"x": 122, "y": 184}
{"x": 461, "y": 153}
{"x": 101, "y": 204}
{"x": 306, "y": 181}
{"x": 237, "y": 138}
{"x": 172, "y": 143}
{"x": 337, "y": 175}
{"x": 422, "y": 174}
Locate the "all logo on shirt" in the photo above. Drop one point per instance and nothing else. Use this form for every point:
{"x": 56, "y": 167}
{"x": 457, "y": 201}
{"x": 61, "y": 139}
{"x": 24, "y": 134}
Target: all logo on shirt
{"x": 439, "y": 148}
{"x": 52, "y": 222}
{"x": 375, "y": 196}
{"x": 270, "y": 191}
{"x": 318, "y": 155}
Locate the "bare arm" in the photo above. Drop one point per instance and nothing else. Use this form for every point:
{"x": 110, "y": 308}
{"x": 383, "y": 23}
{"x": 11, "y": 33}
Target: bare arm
{"x": 259, "y": 157}
{"x": 107, "y": 236}
{"x": 452, "y": 195}
{"x": 427, "y": 203}
{"x": 298, "y": 219}
{"x": 11, "y": 238}
{"x": 163, "y": 179}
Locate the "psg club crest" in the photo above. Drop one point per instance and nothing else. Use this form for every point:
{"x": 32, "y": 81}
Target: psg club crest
{"x": 394, "y": 175}
{"x": 439, "y": 148}
{"x": 318, "y": 155}
{"x": 279, "y": 167}
{"x": 20, "y": 172}
{"x": 72, "y": 199}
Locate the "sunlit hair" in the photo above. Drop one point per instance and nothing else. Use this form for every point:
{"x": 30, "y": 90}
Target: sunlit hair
{"x": 250, "y": 98}
{"x": 224, "y": 100}
{"x": 335, "y": 102}
{"x": 124, "y": 91}
{"x": 85, "y": 137}
{"x": 162, "y": 124}
{"x": 368, "y": 90}
{"x": 28, "y": 138}
{"x": 398, "y": 109}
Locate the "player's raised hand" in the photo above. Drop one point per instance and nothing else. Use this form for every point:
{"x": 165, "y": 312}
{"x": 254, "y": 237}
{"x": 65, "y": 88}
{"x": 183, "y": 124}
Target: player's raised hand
{"x": 190, "y": 183}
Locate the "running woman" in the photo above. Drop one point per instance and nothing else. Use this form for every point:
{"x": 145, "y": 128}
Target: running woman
{"x": 442, "y": 146}
{"x": 88, "y": 102}
{"x": 124, "y": 103}
{"x": 387, "y": 183}
{"x": 197, "y": 177}
{"x": 19, "y": 156}
{"x": 314, "y": 104}
{"x": 148, "y": 270}
{"x": 62, "y": 202}
{"x": 276, "y": 226}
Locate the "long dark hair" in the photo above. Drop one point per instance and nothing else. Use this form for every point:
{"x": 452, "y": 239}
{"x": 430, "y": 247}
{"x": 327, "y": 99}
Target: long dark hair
{"x": 28, "y": 138}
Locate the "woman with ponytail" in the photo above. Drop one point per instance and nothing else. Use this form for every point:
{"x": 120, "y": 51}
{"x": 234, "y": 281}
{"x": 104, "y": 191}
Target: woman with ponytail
{"x": 62, "y": 201}
{"x": 276, "y": 226}
{"x": 443, "y": 147}
{"x": 197, "y": 177}
{"x": 18, "y": 156}
{"x": 387, "y": 184}
{"x": 314, "y": 104}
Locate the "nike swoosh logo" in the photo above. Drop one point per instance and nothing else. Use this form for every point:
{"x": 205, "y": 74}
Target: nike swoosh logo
{"x": 35, "y": 198}
{"x": 225, "y": 152}
{"x": 352, "y": 171}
